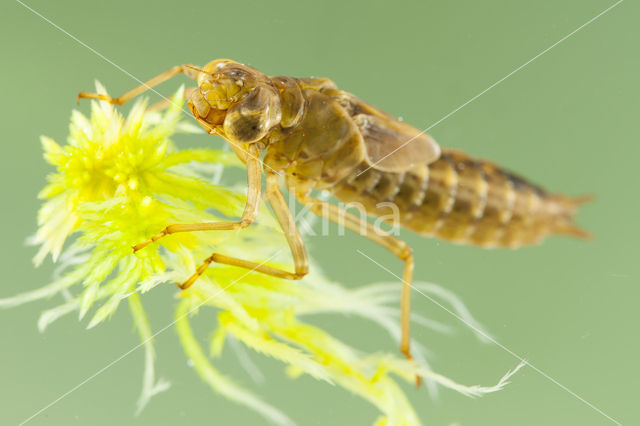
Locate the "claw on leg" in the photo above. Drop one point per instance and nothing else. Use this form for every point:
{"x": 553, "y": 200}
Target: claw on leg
{"x": 98, "y": 96}
{"x": 189, "y": 282}
{"x": 407, "y": 354}
{"x": 153, "y": 239}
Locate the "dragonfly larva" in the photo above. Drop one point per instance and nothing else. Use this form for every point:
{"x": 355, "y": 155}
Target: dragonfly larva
{"x": 320, "y": 137}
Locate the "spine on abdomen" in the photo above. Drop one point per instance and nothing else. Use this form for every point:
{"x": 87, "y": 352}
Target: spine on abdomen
{"x": 464, "y": 200}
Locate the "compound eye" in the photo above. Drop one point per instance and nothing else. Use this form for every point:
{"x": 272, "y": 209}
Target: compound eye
{"x": 251, "y": 119}
{"x": 245, "y": 128}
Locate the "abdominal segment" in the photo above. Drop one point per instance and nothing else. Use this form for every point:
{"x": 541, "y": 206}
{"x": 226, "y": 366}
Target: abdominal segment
{"x": 463, "y": 200}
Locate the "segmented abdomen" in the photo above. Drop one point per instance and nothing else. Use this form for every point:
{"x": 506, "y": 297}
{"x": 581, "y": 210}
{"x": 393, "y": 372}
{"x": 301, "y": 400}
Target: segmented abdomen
{"x": 464, "y": 200}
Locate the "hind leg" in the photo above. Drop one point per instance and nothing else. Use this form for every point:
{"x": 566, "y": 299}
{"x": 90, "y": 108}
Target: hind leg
{"x": 396, "y": 246}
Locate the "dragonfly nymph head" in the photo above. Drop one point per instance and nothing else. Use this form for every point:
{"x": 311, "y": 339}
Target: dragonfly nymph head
{"x": 235, "y": 101}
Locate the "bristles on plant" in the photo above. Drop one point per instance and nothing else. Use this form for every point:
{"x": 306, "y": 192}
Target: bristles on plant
{"x": 119, "y": 180}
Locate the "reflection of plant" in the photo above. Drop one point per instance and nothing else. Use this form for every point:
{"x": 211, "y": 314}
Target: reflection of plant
{"x": 120, "y": 180}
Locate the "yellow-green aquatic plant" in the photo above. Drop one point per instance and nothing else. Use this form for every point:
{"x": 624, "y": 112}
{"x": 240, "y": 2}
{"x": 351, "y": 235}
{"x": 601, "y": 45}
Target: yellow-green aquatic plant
{"x": 119, "y": 180}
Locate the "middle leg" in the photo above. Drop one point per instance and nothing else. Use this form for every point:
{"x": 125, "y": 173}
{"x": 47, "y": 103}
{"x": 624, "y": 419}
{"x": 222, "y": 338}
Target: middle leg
{"x": 294, "y": 240}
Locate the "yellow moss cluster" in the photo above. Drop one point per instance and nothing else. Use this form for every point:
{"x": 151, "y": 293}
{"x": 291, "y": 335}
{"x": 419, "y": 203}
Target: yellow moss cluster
{"x": 119, "y": 180}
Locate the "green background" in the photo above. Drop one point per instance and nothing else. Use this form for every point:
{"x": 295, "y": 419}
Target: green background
{"x": 568, "y": 121}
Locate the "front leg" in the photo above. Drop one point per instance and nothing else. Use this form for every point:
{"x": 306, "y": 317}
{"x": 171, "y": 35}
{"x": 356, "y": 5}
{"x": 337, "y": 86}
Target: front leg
{"x": 189, "y": 70}
{"x": 254, "y": 178}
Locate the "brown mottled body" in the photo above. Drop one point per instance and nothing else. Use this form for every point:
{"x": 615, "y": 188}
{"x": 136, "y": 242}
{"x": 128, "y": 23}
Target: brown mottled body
{"x": 456, "y": 198}
{"x": 463, "y": 200}
{"x": 324, "y": 138}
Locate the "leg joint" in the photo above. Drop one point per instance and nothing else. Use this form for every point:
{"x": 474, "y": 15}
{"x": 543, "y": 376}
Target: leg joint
{"x": 315, "y": 207}
{"x": 245, "y": 222}
{"x": 301, "y": 272}
{"x": 406, "y": 254}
